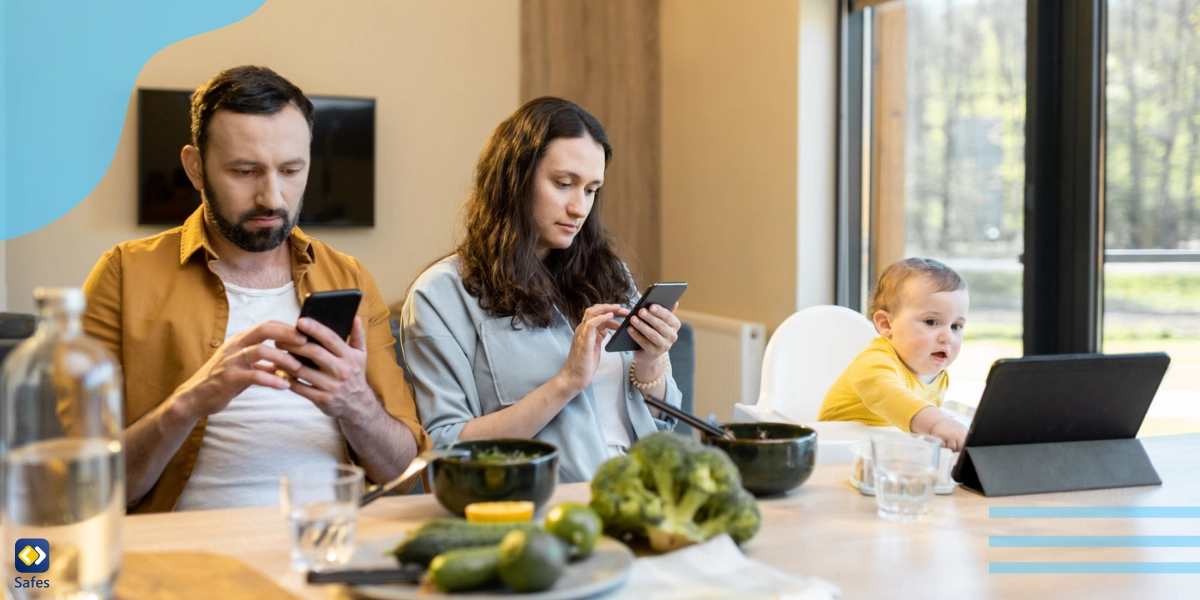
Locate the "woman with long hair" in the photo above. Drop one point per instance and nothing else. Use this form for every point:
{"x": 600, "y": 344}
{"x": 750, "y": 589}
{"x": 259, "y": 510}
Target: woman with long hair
{"x": 504, "y": 337}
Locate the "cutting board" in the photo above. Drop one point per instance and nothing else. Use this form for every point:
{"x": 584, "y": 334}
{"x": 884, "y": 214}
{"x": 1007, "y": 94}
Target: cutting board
{"x": 192, "y": 576}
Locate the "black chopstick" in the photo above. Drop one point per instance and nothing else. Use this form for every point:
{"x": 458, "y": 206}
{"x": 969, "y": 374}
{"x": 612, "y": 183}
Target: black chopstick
{"x": 367, "y": 576}
{"x": 690, "y": 419}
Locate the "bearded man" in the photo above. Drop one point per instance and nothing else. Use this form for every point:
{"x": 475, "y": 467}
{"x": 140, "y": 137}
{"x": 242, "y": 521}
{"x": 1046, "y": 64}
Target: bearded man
{"x": 203, "y": 319}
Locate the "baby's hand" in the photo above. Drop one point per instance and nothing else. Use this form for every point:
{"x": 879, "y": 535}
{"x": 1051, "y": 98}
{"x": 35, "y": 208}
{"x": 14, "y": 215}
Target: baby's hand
{"x": 953, "y": 434}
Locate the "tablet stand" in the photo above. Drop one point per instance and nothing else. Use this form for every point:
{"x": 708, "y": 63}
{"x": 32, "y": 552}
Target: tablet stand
{"x": 1055, "y": 467}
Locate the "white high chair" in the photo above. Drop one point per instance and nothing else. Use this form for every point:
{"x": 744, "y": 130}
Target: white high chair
{"x": 805, "y": 355}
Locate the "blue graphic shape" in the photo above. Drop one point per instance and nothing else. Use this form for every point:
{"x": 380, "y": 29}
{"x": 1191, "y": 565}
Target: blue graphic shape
{"x": 1094, "y": 541}
{"x": 1094, "y": 568}
{"x": 1094, "y": 512}
{"x": 3, "y": 133}
{"x": 31, "y": 555}
{"x": 68, "y": 68}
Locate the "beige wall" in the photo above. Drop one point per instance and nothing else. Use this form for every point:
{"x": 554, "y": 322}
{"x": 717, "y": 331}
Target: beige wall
{"x": 443, "y": 73}
{"x": 729, "y": 148}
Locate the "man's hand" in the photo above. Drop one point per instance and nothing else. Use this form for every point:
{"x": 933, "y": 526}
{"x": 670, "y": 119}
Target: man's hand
{"x": 339, "y": 387}
{"x": 236, "y": 366}
{"x": 242, "y": 361}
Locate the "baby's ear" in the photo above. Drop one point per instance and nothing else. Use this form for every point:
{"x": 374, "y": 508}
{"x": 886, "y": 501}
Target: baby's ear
{"x": 883, "y": 323}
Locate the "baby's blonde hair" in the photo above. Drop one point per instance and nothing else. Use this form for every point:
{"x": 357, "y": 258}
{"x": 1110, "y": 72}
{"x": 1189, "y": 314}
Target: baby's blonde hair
{"x": 887, "y": 292}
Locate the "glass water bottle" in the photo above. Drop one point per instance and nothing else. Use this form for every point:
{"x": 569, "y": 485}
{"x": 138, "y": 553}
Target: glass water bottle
{"x": 61, "y": 434}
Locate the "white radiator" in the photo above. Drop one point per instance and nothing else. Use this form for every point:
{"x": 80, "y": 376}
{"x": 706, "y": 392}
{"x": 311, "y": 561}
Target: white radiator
{"x": 729, "y": 355}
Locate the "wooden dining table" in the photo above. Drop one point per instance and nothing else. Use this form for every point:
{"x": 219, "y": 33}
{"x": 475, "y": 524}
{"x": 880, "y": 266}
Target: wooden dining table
{"x": 825, "y": 528}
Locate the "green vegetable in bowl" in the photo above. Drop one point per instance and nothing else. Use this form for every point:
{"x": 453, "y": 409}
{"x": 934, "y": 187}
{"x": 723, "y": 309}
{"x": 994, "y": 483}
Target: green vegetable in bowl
{"x": 673, "y": 492}
{"x": 496, "y": 455}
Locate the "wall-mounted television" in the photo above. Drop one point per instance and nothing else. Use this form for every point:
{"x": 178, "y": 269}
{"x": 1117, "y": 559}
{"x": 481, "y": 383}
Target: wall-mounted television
{"x": 341, "y": 178}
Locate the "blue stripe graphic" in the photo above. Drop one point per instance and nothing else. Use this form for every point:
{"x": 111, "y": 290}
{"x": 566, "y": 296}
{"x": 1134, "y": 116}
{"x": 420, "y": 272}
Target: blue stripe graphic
{"x": 1094, "y": 512}
{"x": 1094, "y": 568}
{"x": 1094, "y": 541}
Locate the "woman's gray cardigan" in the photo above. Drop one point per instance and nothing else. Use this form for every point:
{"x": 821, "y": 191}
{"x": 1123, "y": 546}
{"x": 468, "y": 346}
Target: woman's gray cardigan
{"x": 466, "y": 363}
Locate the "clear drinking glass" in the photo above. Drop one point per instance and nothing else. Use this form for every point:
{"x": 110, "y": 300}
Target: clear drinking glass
{"x": 863, "y": 476}
{"x": 906, "y": 471}
{"x": 321, "y": 506}
{"x": 945, "y": 480}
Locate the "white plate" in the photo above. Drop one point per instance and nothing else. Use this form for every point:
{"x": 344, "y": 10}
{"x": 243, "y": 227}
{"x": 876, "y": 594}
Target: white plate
{"x": 605, "y": 569}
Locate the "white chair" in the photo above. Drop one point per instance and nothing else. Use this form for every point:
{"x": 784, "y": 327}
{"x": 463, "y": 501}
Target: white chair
{"x": 806, "y": 354}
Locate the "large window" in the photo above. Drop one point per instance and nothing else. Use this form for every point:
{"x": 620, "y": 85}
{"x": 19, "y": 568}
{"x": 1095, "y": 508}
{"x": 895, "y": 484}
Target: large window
{"x": 944, "y": 83}
{"x": 1152, "y": 199}
{"x": 934, "y": 103}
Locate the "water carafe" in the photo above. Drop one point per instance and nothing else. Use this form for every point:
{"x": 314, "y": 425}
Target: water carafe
{"x": 61, "y": 434}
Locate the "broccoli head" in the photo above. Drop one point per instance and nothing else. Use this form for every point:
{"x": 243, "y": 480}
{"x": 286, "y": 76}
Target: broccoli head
{"x": 663, "y": 456}
{"x": 734, "y": 512}
{"x": 673, "y": 492}
{"x": 620, "y": 498}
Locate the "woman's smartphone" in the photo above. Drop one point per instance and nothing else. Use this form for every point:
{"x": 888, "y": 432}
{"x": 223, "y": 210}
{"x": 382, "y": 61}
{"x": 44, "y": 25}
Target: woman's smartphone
{"x": 335, "y": 310}
{"x": 663, "y": 294}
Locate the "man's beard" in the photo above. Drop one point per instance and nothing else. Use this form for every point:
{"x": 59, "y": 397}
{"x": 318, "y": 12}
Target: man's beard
{"x": 262, "y": 239}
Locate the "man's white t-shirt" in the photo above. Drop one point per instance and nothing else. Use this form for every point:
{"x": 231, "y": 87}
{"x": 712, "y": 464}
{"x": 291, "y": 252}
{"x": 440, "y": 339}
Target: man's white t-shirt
{"x": 264, "y": 431}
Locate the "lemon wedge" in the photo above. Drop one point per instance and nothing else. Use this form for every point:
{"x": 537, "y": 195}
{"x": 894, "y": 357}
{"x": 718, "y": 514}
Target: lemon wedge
{"x": 497, "y": 512}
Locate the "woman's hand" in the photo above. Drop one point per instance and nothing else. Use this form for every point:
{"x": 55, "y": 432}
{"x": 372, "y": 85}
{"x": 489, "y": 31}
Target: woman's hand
{"x": 655, "y": 329}
{"x": 585, "y": 351}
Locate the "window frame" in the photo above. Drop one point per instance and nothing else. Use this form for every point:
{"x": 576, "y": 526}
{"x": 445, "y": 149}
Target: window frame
{"x": 1066, "y": 45}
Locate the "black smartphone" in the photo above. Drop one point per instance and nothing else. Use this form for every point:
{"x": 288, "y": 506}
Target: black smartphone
{"x": 334, "y": 309}
{"x": 663, "y": 294}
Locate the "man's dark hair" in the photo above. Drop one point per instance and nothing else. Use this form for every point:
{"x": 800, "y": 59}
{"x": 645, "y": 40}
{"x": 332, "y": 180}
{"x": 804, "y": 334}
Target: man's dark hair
{"x": 248, "y": 90}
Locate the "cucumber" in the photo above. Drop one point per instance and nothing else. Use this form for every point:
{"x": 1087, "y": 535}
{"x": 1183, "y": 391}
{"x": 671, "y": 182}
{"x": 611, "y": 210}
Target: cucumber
{"x": 465, "y": 569}
{"x": 443, "y": 535}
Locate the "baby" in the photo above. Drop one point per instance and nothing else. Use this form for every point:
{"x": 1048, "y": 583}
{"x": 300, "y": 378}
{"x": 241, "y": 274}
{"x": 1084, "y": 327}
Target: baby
{"x": 919, "y": 309}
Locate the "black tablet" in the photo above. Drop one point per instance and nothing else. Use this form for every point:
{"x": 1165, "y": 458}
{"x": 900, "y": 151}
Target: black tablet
{"x": 1066, "y": 398}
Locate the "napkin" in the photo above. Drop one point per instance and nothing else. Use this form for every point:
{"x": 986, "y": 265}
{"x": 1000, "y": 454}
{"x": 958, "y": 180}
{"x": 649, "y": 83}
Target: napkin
{"x": 718, "y": 569}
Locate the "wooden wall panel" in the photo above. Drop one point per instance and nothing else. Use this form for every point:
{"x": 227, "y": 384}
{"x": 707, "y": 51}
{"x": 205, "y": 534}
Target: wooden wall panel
{"x": 604, "y": 55}
{"x": 887, "y": 161}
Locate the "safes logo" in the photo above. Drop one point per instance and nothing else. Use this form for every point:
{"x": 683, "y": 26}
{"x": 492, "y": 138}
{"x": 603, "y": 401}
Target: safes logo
{"x": 33, "y": 555}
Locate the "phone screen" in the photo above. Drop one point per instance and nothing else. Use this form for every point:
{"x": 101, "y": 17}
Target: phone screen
{"x": 335, "y": 310}
{"x": 663, "y": 294}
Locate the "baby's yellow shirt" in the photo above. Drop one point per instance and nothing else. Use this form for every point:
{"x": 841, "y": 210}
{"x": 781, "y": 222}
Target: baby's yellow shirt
{"x": 877, "y": 389}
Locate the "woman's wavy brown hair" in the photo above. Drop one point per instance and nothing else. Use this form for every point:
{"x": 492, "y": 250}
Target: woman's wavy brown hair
{"x": 498, "y": 253}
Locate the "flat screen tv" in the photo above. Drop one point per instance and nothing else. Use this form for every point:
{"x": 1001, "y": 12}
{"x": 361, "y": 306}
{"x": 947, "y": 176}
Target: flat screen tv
{"x": 341, "y": 179}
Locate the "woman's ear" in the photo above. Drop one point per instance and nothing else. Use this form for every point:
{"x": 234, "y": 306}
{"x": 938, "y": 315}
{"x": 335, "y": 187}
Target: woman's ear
{"x": 883, "y": 323}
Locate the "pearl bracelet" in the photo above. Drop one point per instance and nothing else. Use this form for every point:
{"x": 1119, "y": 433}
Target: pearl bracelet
{"x": 653, "y": 384}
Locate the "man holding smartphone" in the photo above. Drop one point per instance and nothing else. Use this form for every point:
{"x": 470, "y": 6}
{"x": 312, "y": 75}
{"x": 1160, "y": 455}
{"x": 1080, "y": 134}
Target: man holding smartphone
{"x": 203, "y": 319}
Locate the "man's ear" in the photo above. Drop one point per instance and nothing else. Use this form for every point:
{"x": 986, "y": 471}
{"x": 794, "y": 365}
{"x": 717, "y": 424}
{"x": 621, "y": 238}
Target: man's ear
{"x": 883, "y": 323}
{"x": 193, "y": 166}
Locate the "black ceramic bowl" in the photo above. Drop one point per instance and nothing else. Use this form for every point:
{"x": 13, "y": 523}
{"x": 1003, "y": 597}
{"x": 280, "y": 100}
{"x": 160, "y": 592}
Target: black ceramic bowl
{"x": 459, "y": 482}
{"x": 773, "y": 457}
